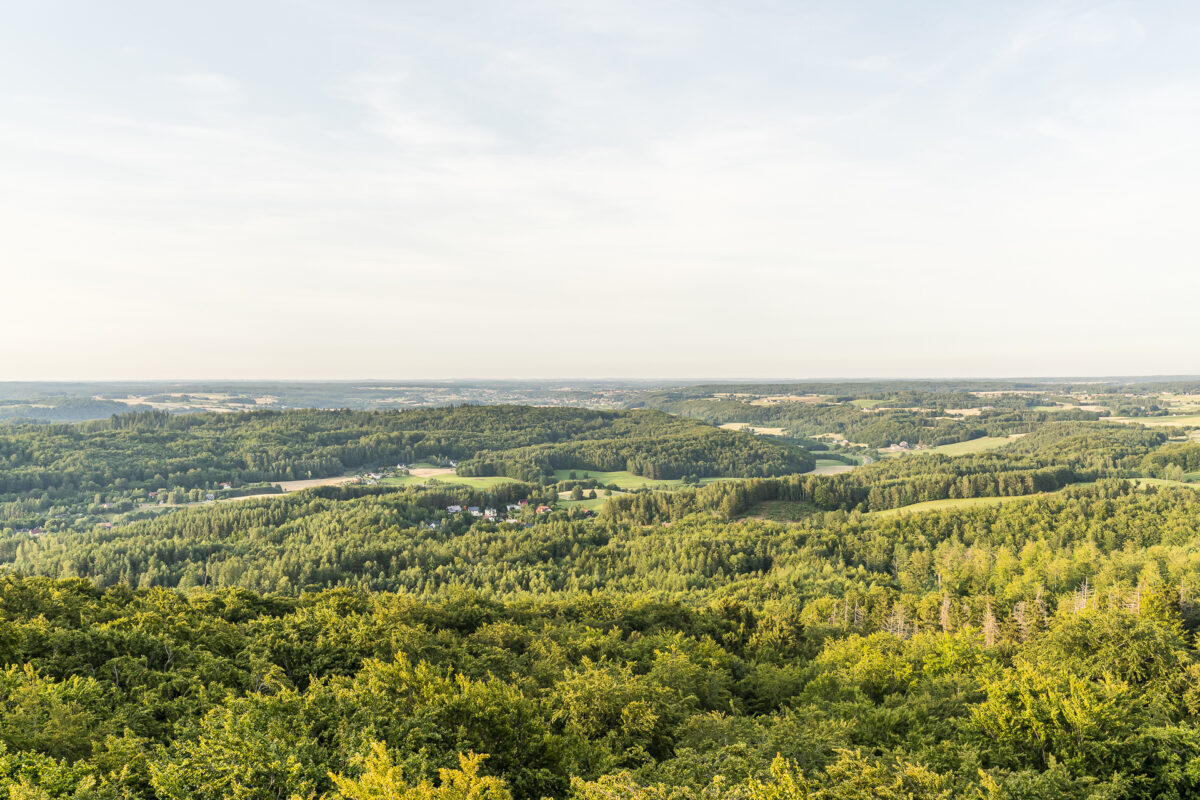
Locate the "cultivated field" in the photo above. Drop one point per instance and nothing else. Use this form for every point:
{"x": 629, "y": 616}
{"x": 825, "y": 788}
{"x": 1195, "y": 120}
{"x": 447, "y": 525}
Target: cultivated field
{"x": 449, "y": 477}
{"x": 744, "y": 426}
{"x": 295, "y": 486}
{"x": 973, "y": 445}
{"x": 829, "y": 466}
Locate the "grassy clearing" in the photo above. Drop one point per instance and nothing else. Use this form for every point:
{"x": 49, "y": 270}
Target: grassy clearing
{"x": 781, "y": 511}
{"x": 624, "y": 479}
{"x": 565, "y": 501}
{"x": 954, "y": 503}
{"x": 865, "y": 403}
{"x": 1164, "y": 482}
{"x": 957, "y": 448}
{"x": 973, "y": 445}
{"x": 296, "y": 486}
{"x": 971, "y": 502}
{"x": 477, "y": 483}
{"x": 829, "y": 466}
{"x": 1182, "y": 420}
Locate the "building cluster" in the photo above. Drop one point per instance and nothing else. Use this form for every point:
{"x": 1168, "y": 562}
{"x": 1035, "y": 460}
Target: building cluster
{"x": 511, "y": 511}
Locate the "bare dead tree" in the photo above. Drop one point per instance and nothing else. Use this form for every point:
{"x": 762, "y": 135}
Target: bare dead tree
{"x": 896, "y": 623}
{"x": 989, "y": 625}
{"x": 1021, "y": 619}
{"x": 1133, "y": 604}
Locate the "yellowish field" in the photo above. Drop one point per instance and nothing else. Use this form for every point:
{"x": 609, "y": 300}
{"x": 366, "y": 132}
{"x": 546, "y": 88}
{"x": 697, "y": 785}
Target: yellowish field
{"x": 974, "y": 445}
{"x": 447, "y": 477}
{"x": 744, "y": 426}
{"x": 295, "y": 486}
{"x": 958, "y": 448}
{"x": 1163, "y": 482}
{"x": 431, "y": 472}
{"x": 1182, "y": 420}
{"x": 789, "y": 398}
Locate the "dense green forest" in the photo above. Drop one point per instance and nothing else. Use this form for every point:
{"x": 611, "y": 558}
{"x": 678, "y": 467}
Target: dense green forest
{"x": 371, "y": 641}
{"x": 61, "y": 470}
{"x": 880, "y": 425}
{"x": 1017, "y": 651}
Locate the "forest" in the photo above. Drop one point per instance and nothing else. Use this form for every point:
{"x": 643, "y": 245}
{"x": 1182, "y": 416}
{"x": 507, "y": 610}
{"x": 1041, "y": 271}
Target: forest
{"x": 59, "y": 470}
{"x": 1035, "y": 636}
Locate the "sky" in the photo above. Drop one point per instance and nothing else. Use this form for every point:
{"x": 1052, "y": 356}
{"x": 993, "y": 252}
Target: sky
{"x": 351, "y": 189}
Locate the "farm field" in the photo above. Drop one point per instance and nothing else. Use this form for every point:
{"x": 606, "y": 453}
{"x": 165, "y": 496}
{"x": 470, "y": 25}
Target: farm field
{"x": 478, "y": 483}
{"x": 423, "y": 473}
{"x": 973, "y": 445}
{"x": 743, "y": 426}
{"x": 830, "y": 466}
{"x": 983, "y": 443}
{"x": 295, "y": 486}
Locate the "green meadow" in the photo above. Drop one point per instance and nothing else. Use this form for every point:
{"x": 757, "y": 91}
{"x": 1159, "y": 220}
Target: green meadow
{"x": 953, "y": 503}
{"x": 972, "y": 445}
{"x": 478, "y": 483}
{"x": 624, "y": 479}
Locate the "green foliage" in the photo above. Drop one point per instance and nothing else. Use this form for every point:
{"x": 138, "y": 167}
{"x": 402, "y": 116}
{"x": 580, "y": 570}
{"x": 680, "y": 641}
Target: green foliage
{"x": 364, "y": 643}
{"x": 381, "y": 780}
{"x": 53, "y": 469}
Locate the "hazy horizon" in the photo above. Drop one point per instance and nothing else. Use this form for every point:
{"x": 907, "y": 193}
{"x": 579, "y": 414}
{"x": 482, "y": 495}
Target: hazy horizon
{"x": 585, "y": 380}
{"x": 327, "y": 190}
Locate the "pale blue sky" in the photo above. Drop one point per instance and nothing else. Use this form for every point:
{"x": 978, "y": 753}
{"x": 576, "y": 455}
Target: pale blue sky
{"x": 539, "y": 189}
